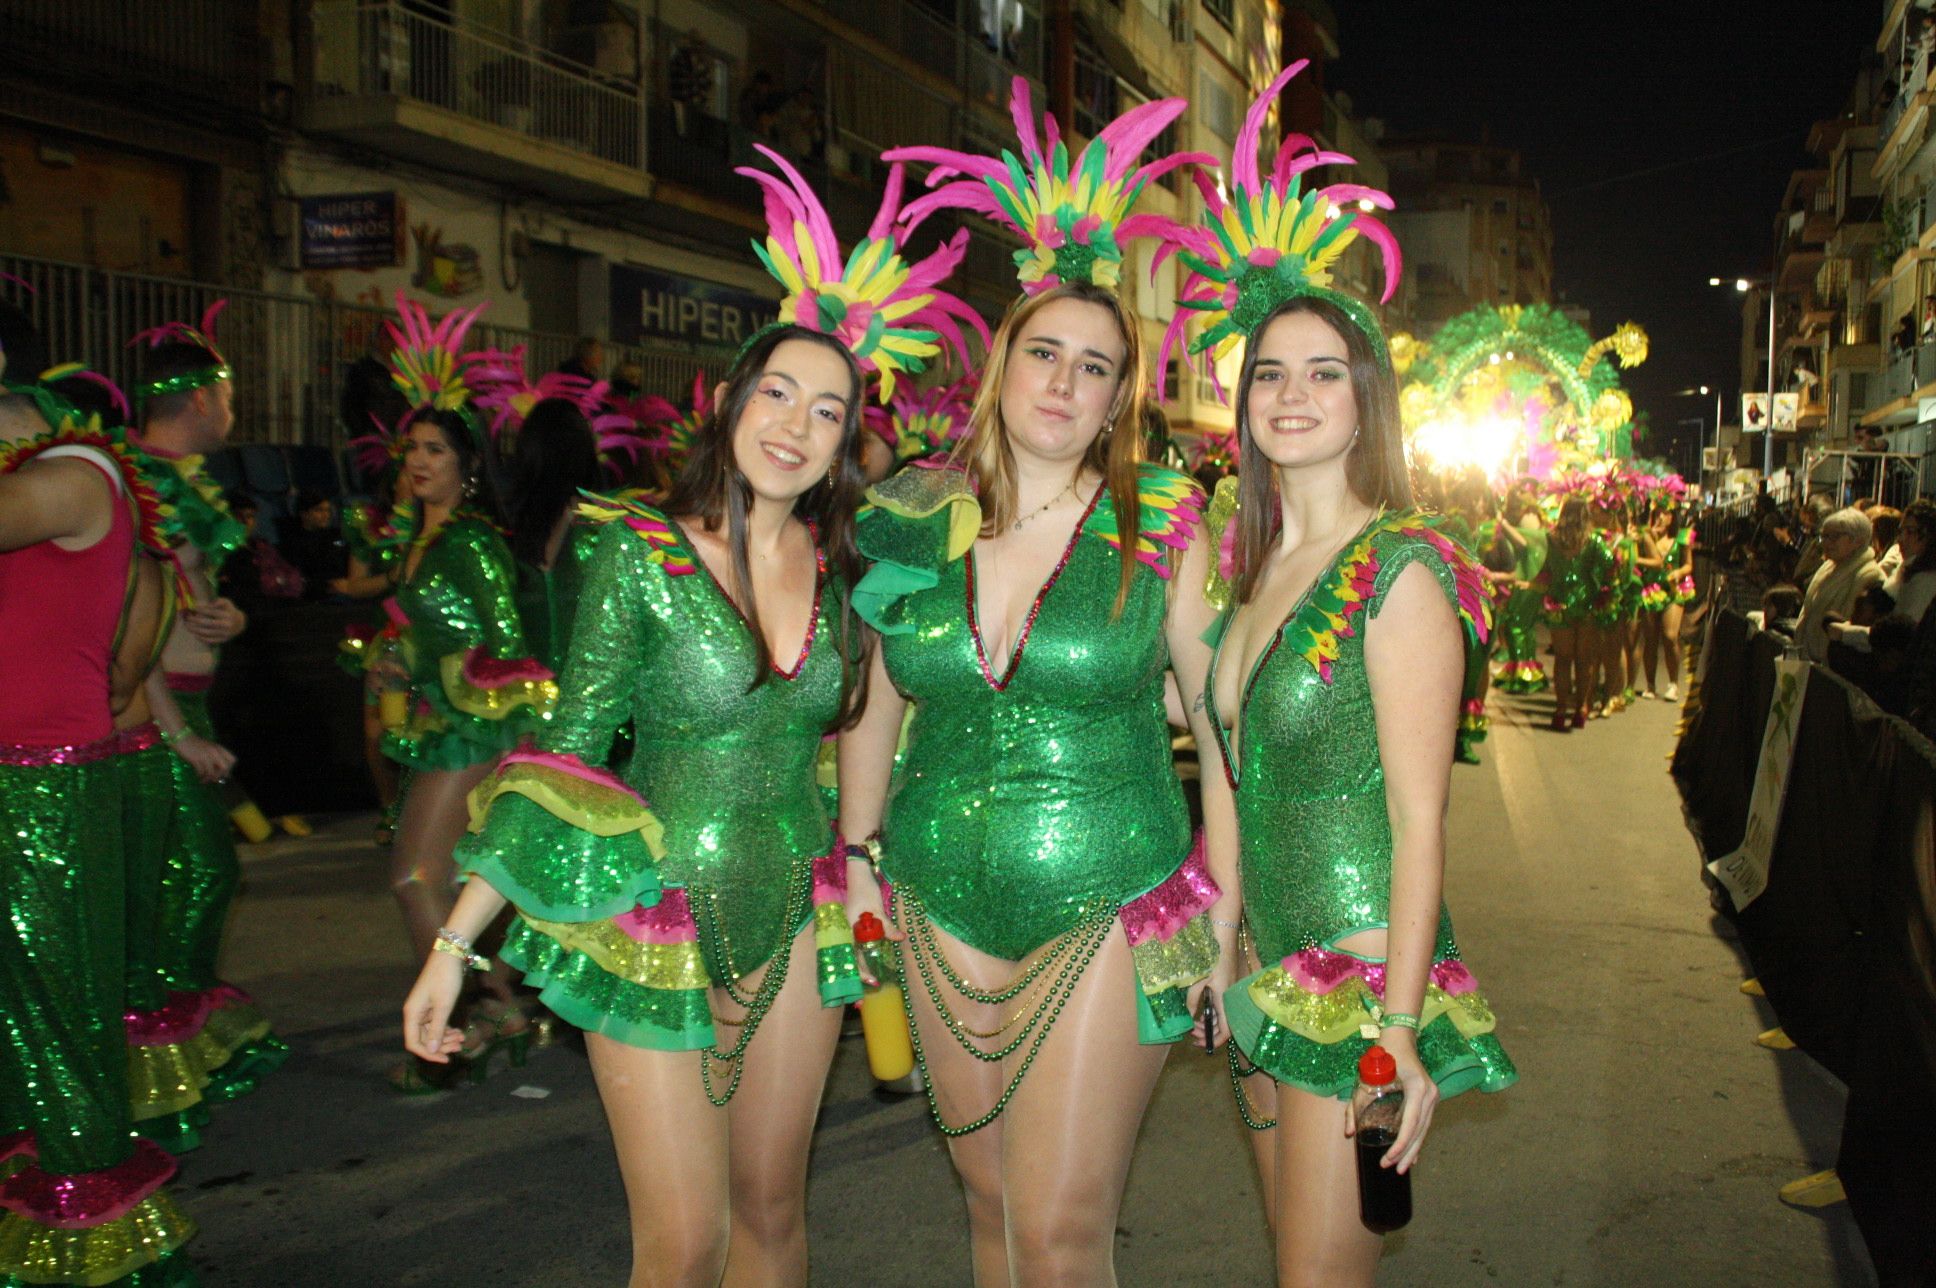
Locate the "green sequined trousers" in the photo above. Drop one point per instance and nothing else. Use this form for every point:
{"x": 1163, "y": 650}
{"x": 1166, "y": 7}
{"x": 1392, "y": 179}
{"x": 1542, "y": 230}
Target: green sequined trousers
{"x": 1315, "y": 844}
{"x": 620, "y": 943}
{"x": 64, "y": 1114}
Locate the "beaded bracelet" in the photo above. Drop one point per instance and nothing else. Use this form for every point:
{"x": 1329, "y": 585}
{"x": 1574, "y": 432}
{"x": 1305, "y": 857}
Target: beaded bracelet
{"x": 450, "y": 942}
{"x": 1227, "y": 925}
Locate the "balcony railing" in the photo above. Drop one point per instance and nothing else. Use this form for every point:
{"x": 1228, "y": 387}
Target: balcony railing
{"x": 375, "y": 49}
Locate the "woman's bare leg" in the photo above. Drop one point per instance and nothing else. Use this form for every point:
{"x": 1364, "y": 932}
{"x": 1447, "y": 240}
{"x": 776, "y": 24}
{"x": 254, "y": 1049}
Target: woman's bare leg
{"x": 771, "y": 1124}
{"x": 1670, "y": 641}
{"x": 1078, "y": 1112}
{"x": 964, "y": 1089}
{"x": 672, "y": 1154}
{"x": 423, "y": 873}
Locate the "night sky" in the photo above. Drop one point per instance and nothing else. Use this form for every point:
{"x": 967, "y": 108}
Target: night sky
{"x": 1662, "y": 136}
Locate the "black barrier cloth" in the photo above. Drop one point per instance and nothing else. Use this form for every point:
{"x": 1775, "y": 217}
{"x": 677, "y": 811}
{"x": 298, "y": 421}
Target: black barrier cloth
{"x": 1714, "y": 765}
{"x": 1844, "y": 937}
{"x": 291, "y": 715}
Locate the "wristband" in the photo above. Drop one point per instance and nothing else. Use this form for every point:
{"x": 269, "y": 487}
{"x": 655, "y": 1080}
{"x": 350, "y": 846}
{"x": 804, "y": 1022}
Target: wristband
{"x": 455, "y": 945}
{"x": 1399, "y": 1020}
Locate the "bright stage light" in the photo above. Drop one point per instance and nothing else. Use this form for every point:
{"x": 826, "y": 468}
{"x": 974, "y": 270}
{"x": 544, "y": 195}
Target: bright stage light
{"x": 1458, "y": 442}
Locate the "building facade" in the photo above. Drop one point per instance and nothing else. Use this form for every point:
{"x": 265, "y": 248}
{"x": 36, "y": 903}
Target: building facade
{"x": 571, "y": 161}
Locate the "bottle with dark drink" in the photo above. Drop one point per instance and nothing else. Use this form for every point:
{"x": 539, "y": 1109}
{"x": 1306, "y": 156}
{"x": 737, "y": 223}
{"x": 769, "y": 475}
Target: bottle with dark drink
{"x": 1384, "y": 1193}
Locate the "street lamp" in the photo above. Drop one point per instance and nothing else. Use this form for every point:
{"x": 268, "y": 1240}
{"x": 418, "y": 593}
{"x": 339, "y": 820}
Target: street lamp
{"x": 1744, "y": 285}
{"x": 1700, "y": 459}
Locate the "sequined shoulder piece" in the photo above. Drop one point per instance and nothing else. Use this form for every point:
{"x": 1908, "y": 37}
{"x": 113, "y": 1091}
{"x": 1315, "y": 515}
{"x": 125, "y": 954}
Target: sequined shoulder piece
{"x": 150, "y": 514}
{"x": 1171, "y": 511}
{"x": 929, "y": 495}
{"x": 1332, "y": 613}
{"x": 651, "y": 526}
{"x": 1405, "y": 537}
{"x": 1221, "y": 519}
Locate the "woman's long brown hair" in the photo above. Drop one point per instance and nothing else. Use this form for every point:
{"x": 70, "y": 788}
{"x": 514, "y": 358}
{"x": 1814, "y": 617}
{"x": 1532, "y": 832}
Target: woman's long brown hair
{"x": 1116, "y": 453}
{"x": 1374, "y": 465}
{"x": 712, "y": 487}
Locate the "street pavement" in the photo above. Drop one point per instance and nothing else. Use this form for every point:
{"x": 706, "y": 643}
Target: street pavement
{"x": 1643, "y": 1145}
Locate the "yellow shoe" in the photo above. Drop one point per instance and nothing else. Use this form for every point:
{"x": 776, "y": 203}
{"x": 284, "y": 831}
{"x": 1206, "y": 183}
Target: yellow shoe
{"x": 295, "y": 825}
{"x": 1775, "y": 1040}
{"x": 1824, "y": 1189}
{"x": 1753, "y": 988}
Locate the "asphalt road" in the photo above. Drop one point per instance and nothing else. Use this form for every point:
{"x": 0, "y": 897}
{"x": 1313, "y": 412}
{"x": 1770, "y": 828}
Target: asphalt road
{"x": 1643, "y": 1145}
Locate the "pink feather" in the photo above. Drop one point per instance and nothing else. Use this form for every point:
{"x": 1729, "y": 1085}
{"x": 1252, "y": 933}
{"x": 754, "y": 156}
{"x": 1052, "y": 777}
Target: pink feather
{"x": 1243, "y": 158}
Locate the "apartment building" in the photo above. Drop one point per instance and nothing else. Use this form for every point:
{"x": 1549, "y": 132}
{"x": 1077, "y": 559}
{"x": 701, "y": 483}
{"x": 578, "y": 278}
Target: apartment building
{"x": 569, "y": 160}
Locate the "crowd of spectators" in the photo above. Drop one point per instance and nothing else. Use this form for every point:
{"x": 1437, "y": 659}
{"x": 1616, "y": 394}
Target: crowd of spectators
{"x": 1852, "y": 588}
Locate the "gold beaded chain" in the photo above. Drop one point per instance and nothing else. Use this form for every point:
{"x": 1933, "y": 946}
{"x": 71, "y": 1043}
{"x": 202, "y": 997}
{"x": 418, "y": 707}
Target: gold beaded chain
{"x": 711, "y": 926}
{"x": 1082, "y": 942}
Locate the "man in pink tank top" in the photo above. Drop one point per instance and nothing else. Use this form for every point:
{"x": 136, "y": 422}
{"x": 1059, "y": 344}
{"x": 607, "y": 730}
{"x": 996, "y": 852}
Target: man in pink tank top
{"x": 80, "y": 1200}
{"x": 185, "y": 406}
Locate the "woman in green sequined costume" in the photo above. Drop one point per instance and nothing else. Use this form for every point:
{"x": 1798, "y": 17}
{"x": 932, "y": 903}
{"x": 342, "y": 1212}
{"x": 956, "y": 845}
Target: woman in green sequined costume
{"x": 724, "y": 899}
{"x": 1035, "y": 838}
{"x": 1569, "y": 585}
{"x": 554, "y": 458}
{"x": 1339, "y": 671}
{"x": 1619, "y": 590}
{"x": 1666, "y": 601}
{"x": 1524, "y": 530}
{"x": 474, "y": 689}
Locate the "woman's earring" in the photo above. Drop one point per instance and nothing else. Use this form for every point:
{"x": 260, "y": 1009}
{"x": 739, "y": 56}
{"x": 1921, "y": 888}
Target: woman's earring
{"x": 470, "y": 486}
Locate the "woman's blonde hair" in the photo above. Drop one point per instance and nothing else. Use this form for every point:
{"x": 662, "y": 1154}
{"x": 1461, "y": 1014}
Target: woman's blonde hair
{"x": 1117, "y": 452}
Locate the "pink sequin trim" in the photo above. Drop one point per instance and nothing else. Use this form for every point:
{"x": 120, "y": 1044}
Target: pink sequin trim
{"x": 394, "y": 611}
{"x": 830, "y": 875}
{"x": 172, "y": 1024}
{"x": 570, "y": 765}
{"x": 669, "y": 921}
{"x": 18, "y": 756}
{"x": 482, "y": 671}
{"x": 1318, "y": 970}
{"x": 1163, "y": 911}
{"x": 86, "y": 1199}
{"x": 140, "y": 738}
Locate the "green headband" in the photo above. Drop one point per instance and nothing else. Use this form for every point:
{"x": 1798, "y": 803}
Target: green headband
{"x": 184, "y": 382}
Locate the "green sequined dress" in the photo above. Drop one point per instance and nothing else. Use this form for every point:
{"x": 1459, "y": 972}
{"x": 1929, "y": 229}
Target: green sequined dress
{"x": 475, "y": 689}
{"x": 1031, "y": 804}
{"x": 637, "y": 894}
{"x": 1315, "y": 836}
{"x": 547, "y": 598}
{"x": 1521, "y": 670}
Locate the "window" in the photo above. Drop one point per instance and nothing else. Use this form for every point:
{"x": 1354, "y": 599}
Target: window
{"x": 1219, "y": 107}
{"x": 1224, "y": 11}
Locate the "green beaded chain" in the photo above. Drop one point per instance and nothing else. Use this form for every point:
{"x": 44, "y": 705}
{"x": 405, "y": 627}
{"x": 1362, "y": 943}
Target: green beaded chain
{"x": 1237, "y": 1076}
{"x": 1089, "y": 934}
{"x": 761, "y": 1000}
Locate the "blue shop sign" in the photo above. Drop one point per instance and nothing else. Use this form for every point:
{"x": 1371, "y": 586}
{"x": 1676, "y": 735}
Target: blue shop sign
{"x": 355, "y": 230}
{"x": 651, "y": 305}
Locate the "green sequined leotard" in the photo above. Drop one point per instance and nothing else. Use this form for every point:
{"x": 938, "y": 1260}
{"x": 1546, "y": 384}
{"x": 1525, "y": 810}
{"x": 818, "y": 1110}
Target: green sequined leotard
{"x": 1315, "y": 835}
{"x": 638, "y": 894}
{"x": 1042, "y": 801}
{"x": 474, "y": 687}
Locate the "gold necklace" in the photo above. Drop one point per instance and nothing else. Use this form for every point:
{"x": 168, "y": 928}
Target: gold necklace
{"x": 1043, "y": 509}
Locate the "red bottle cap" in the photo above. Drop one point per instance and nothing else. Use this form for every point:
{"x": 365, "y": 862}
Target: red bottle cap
{"x": 869, "y": 928}
{"x": 1375, "y": 1067}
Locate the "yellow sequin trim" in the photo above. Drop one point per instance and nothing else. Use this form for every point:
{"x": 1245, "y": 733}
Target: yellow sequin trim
{"x": 595, "y": 807}
{"x": 1336, "y": 1015}
{"x": 168, "y": 1079}
{"x": 1179, "y": 961}
{"x": 915, "y": 497}
{"x": 830, "y": 928}
{"x": 493, "y": 704}
{"x": 662, "y": 966}
{"x": 101, "y": 1254}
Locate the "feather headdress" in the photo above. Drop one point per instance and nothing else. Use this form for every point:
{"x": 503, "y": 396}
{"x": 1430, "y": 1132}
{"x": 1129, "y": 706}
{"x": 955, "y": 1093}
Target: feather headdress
{"x": 1075, "y": 216}
{"x": 1272, "y": 240}
{"x": 892, "y": 315}
{"x": 428, "y": 365}
{"x": 921, "y": 422}
{"x": 202, "y": 336}
{"x": 503, "y": 391}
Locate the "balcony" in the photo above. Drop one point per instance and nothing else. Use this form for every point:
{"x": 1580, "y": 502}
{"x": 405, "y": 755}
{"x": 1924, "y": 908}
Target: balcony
{"x": 462, "y": 97}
